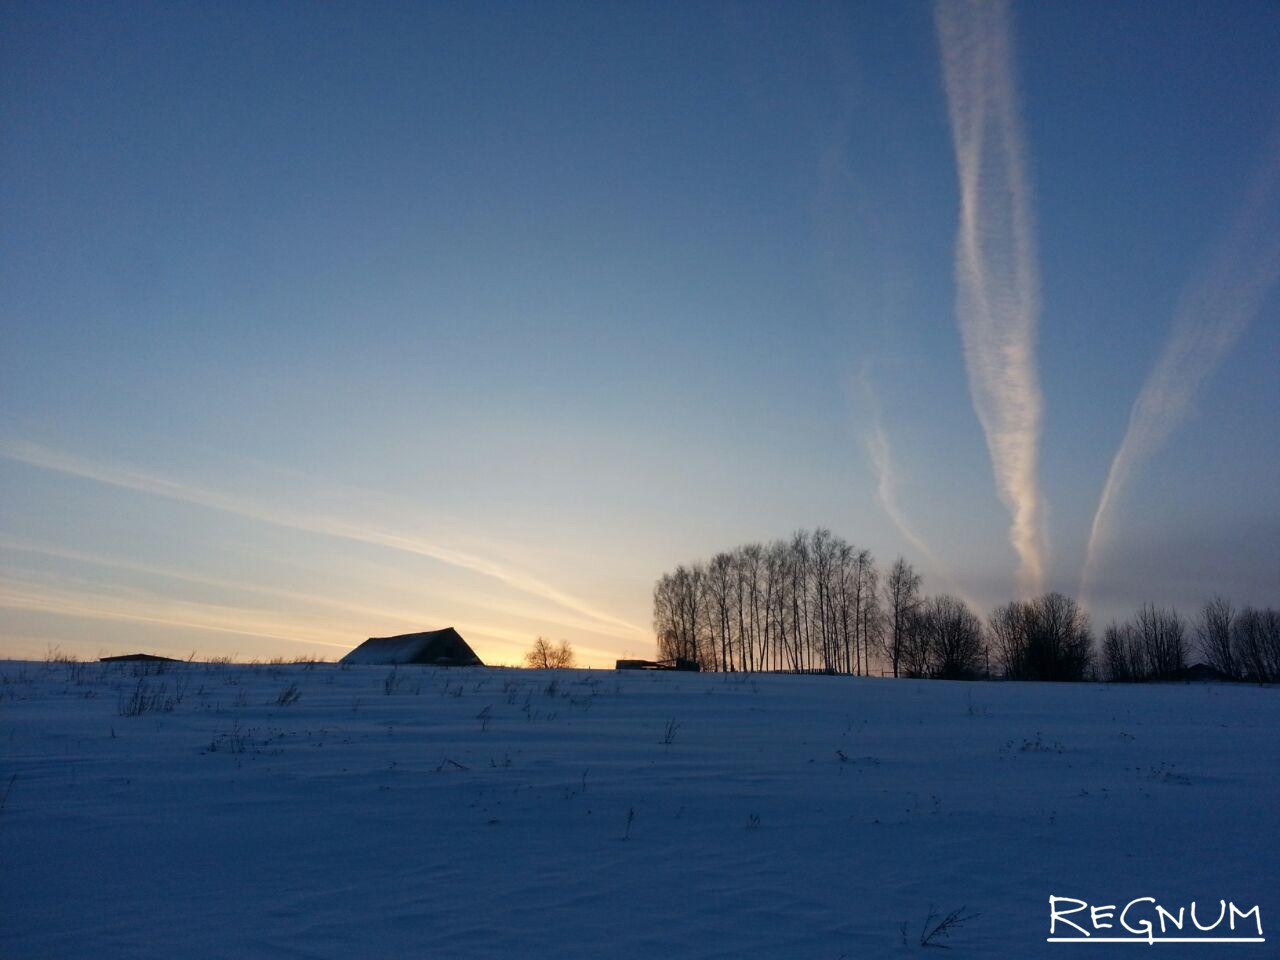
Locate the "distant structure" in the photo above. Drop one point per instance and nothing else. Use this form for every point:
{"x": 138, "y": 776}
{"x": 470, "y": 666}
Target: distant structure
{"x": 443, "y": 648}
{"x": 679, "y": 663}
{"x": 148, "y": 657}
{"x": 1197, "y": 673}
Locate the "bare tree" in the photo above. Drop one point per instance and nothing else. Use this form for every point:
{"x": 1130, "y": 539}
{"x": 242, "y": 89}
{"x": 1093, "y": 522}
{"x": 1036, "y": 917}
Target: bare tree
{"x": 915, "y": 656}
{"x": 814, "y": 602}
{"x": 1007, "y": 628}
{"x": 1151, "y": 646}
{"x": 798, "y": 570}
{"x": 1270, "y": 624}
{"x": 951, "y": 639}
{"x": 1255, "y": 644}
{"x": 1047, "y": 638}
{"x": 870, "y": 618}
{"x": 1123, "y": 657}
{"x": 805, "y": 603}
{"x": 901, "y": 597}
{"x": 548, "y": 655}
{"x": 1217, "y": 618}
{"x": 678, "y": 615}
{"x": 1163, "y": 635}
{"x": 721, "y": 587}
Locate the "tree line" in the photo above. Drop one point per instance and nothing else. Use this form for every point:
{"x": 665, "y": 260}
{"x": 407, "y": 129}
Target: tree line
{"x": 814, "y": 603}
{"x": 1239, "y": 644}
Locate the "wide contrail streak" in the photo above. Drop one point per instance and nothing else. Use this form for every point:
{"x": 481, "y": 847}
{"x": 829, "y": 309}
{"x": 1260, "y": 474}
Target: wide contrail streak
{"x": 1215, "y": 308}
{"x": 997, "y": 284}
{"x": 144, "y": 482}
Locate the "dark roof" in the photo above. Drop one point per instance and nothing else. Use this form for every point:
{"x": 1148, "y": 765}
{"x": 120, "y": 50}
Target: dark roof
{"x": 138, "y": 656}
{"x": 1197, "y": 672}
{"x": 443, "y": 647}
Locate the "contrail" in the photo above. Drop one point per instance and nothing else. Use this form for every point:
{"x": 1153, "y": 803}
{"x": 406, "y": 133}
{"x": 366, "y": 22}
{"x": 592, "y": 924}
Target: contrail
{"x": 887, "y": 492}
{"x": 1215, "y": 308}
{"x": 155, "y": 485}
{"x": 997, "y": 284}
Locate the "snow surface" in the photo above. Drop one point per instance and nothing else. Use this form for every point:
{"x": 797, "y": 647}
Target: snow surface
{"x": 434, "y": 812}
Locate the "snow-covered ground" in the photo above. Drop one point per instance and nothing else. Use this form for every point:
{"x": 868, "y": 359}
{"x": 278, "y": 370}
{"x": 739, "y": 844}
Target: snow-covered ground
{"x": 461, "y": 813}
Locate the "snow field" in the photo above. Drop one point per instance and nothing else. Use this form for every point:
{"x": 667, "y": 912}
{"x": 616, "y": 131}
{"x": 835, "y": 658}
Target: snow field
{"x": 318, "y": 811}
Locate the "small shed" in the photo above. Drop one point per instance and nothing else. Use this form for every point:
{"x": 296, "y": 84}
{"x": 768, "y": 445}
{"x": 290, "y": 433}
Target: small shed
{"x": 443, "y": 648}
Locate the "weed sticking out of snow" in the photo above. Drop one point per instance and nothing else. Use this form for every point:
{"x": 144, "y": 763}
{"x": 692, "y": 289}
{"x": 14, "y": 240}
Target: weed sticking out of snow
{"x": 8, "y": 789}
{"x": 669, "y": 733}
{"x": 146, "y": 697}
{"x": 938, "y": 927}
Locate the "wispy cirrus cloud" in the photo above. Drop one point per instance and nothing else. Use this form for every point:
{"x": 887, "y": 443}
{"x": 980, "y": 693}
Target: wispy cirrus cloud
{"x": 37, "y": 593}
{"x": 997, "y": 282}
{"x": 362, "y": 617}
{"x": 1215, "y": 309}
{"x": 142, "y": 481}
{"x": 134, "y": 607}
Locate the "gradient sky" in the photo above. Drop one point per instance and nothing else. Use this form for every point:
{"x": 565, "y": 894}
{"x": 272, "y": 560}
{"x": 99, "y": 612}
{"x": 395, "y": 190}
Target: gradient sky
{"x": 325, "y": 321}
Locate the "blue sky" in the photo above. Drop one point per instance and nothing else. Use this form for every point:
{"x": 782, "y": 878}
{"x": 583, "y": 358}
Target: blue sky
{"x": 328, "y": 321}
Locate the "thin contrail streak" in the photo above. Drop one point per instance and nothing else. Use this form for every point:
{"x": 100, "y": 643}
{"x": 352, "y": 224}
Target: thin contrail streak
{"x": 881, "y": 455}
{"x": 187, "y": 615}
{"x": 371, "y": 614}
{"x": 379, "y": 614}
{"x": 155, "y": 485}
{"x": 206, "y": 617}
{"x": 1215, "y": 309}
{"x": 997, "y": 283}
{"x": 887, "y": 492}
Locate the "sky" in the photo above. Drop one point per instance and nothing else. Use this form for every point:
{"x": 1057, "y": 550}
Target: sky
{"x": 328, "y": 321}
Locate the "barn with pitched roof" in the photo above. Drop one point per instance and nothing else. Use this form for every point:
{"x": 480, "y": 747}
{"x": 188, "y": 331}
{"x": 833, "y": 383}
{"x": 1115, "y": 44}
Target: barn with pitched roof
{"x": 443, "y": 648}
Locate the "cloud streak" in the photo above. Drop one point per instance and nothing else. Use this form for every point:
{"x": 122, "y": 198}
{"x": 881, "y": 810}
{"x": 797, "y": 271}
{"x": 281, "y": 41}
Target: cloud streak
{"x": 887, "y": 493}
{"x": 131, "y": 607}
{"x": 997, "y": 282}
{"x": 88, "y": 603}
{"x": 878, "y": 449}
{"x": 141, "y": 481}
{"x": 381, "y": 616}
{"x": 1215, "y": 309}
{"x": 887, "y": 489}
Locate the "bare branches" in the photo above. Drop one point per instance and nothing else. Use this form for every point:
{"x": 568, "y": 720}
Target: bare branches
{"x": 1217, "y": 618}
{"x": 808, "y": 603}
{"x": 547, "y": 655}
{"x": 937, "y": 927}
{"x": 1047, "y": 638}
